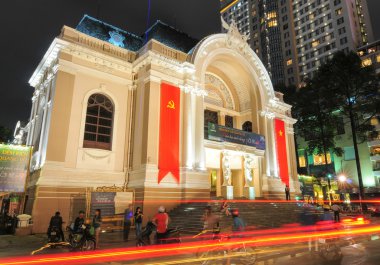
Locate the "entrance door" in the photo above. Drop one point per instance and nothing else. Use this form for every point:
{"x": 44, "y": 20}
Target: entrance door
{"x": 213, "y": 182}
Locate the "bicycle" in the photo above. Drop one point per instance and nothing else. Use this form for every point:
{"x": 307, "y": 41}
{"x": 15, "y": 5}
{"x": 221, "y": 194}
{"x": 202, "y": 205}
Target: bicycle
{"x": 236, "y": 254}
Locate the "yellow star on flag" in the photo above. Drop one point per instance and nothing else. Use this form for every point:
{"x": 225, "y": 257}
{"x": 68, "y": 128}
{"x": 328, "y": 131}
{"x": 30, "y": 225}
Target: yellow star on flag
{"x": 280, "y": 132}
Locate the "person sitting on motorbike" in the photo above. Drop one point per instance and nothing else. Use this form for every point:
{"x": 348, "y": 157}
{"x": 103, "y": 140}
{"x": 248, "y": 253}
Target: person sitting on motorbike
{"x": 56, "y": 221}
{"x": 161, "y": 220}
{"x": 79, "y": 221}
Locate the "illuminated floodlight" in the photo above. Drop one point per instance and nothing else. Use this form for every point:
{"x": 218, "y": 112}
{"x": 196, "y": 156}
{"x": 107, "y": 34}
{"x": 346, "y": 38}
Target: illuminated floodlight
{"x": 342, "y": 178}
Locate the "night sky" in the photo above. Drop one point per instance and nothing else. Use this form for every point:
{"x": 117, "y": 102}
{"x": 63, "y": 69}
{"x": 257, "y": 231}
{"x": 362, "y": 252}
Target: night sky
{"x": 29, "y": 26}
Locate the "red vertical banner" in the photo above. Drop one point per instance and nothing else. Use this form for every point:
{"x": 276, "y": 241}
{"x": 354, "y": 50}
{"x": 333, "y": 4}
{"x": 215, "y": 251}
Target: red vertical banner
{"x": 168, "y": 157}
{"x": 282, "y": 157}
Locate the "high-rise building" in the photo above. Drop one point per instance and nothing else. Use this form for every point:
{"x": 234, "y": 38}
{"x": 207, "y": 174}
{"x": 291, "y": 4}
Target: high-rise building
{"x": 268, "y": 25}
{"x": 323, "y": 27}
{"x": 293, "y": 38}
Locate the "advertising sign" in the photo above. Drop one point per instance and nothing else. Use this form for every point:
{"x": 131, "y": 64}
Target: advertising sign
{"x": 105, "y": 201}
{"x": 226, "y": 134}
{"x": 110, "y": 203}
{"x": 14, "y": 163}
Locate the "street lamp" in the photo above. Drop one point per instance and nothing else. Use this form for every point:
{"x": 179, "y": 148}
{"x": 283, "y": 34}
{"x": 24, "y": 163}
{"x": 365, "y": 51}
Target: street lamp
{"x": 342, "y": 178}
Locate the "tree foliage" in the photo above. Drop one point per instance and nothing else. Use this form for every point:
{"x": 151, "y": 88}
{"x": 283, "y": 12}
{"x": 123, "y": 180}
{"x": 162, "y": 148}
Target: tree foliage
{"x": 316, "y": 120}
{"x": 354, "y": 90}
{"x": 6, "y": 134}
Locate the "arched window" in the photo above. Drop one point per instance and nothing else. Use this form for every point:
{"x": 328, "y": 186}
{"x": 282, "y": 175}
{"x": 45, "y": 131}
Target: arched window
{"x": 99, "y": 122}
{"x": 247, "y": 126}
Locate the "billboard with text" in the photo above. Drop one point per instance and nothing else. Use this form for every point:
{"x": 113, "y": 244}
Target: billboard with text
{"x": 14, "y": 167}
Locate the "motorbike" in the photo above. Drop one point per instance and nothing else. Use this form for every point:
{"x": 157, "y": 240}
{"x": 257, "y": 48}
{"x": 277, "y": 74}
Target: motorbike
{"x": 82, "y": 240}
{"x": 173, "y": 236}
{"x": 54, "y": 235}
{"x": 329, "y": 249}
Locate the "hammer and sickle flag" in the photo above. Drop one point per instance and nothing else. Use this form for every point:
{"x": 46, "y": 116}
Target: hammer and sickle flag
{"x": 168, "y": 157}
{"x": 282, "y": 157}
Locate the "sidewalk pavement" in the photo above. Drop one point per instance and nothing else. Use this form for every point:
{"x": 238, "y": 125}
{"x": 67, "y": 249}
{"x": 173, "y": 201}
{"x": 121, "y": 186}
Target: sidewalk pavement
{"x": 11, "y": 245}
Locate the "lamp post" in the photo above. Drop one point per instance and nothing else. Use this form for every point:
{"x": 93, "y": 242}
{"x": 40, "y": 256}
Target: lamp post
{"x": 329, "y": 176}
{"x": 342, "y": 178}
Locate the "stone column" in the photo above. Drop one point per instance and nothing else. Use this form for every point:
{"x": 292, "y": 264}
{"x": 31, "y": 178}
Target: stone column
{"x": 199, "y": 134}
{"x": 266, "y": 161}
{"x": 273, "y": 148}
{"x": 187, "y": 132}
{"x": 257, "y": 176}
{"x": 221, "y": 118}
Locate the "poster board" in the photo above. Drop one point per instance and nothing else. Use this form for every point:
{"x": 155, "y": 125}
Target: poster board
{"x": 14, "y": 167}
{"x": 110, "y": 203}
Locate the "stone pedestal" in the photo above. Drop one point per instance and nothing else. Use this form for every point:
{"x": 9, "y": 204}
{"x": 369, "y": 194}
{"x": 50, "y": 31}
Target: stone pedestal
{"x": 228, "y": 192}
{"x": 23, "y": 231}
{"x": 249, "y": 192}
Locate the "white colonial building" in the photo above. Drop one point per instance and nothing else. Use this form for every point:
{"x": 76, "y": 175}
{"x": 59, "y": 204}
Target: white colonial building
{"x": 97, "y": 120}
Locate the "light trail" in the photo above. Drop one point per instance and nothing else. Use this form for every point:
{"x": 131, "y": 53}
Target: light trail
{"x": 230, "y": 255}
{"x": 241, "y": 201}
{"x": 185, "y": 248}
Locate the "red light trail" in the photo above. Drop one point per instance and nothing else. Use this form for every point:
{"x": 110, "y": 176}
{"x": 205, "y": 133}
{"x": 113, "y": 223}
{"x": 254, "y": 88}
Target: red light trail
{"x": 127, "y": 254}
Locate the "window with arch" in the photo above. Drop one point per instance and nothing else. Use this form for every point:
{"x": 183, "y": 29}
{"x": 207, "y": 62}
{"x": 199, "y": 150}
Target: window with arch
{"x": 247, "y": 126}
{"x": 99, "y": 122}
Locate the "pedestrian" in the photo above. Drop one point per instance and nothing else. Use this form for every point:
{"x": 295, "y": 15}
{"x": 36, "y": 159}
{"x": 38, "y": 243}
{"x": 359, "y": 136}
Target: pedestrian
{"x": 161, "y": 220}
{"x": 127, "y": 222}
{"x": 97, "y": 223}
{"x": 138, "y": 221}
{"x": 287, "y": 192}
{"x": 336, "y": 209}
{"x": 238, "y": 224}
{"x": 210, "y": 222}
{"x": 225, "y": 208}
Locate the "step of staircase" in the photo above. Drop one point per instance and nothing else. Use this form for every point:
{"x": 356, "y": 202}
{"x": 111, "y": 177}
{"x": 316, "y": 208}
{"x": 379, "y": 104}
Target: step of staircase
{"x": 255, "y": 214}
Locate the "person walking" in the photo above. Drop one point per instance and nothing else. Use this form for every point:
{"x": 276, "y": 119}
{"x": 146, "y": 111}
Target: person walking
{"x": 225, "y": 208}
{"x": 287, "y": 192}
{"x": 210, "y": 222}
{"x": 161, "y": 220}
{"x": 336, "y": 209}
{"x": 138, "y": 221}
{"x": 238, "y": 226}
{"x": 96, "y": 223}
{"x": 127, "y": 222}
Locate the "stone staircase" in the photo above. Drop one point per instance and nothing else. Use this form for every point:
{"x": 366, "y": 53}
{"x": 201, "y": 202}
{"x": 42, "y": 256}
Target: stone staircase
{"x": 255, "y": 214}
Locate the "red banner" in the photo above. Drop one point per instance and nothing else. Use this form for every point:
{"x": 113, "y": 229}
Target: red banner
{"x": 282, "y": 157}
{"x": 168, "y": 157}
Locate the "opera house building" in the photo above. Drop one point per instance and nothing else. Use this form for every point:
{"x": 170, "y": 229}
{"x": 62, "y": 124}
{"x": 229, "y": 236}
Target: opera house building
{"x": 152, "y": 119}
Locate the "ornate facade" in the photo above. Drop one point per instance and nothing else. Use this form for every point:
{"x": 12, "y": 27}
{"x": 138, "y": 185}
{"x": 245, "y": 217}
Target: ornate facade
{"x": 95, "y": 120}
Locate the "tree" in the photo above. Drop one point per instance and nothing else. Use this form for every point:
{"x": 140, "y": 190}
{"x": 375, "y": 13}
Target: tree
{"x": 354, "y": 90}
{"x": 316, "y": 121}
{"x": 6, "y": 134}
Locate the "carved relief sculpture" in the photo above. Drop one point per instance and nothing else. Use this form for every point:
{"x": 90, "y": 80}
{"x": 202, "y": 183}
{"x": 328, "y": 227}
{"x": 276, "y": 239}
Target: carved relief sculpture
{"x": 226, "y": 169}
